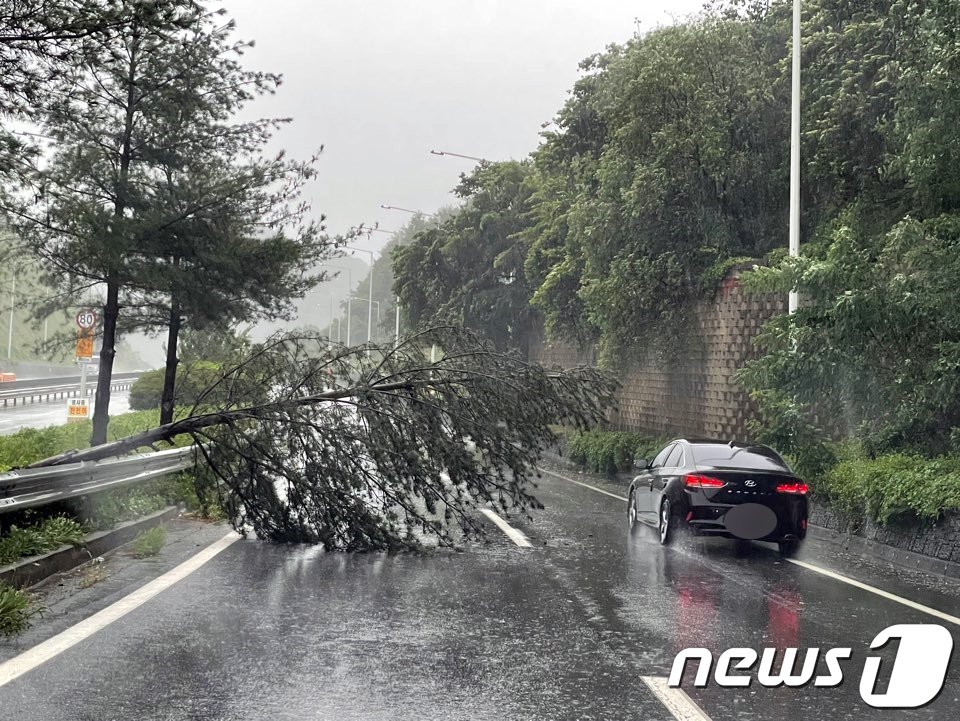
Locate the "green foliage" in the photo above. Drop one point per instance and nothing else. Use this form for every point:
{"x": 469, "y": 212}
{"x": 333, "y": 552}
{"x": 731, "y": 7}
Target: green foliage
{"x": 149, "y": 542}
{"x": 15, "y": 611}
{"x": 43, "y": 537}
{"x": 106, "y": 510}
{"x": 215, "y": 345}
{"x": 610, "y": 451}
{"x": 786, "y": 425}
{"x": 193, "y": 379}
{"x": 182, "y": 215}
{"x": 32, "y": 444}
{"x": 146, "y": 391}
{"x": 399, "y": 451}
{"x": 470, "y": 270}
{"x": 875, "y": 349}
{"x": 897, "y": 485}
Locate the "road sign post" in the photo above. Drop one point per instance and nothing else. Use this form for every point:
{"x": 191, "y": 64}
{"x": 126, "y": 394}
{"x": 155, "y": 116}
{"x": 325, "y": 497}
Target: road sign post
{"x": 78, "y": 409}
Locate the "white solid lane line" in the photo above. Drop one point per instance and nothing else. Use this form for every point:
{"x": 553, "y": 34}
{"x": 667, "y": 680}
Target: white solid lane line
{"x": 680, "y": 706}
{"x": 512, "y": 533}
{"x": 586, "y": 485}
{"x": 42, "y": 652}
{"x": 816, "y": 569}
{"x": 885, "y": 594}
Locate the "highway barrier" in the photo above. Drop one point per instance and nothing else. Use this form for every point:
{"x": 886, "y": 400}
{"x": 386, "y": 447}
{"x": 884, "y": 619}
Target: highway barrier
{"x": 29, "y": 487}
{"x": 52, "y": 389}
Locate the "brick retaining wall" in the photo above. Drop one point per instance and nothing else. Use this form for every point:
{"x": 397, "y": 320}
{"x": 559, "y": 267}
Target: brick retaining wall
{"x": 695, "y": 393}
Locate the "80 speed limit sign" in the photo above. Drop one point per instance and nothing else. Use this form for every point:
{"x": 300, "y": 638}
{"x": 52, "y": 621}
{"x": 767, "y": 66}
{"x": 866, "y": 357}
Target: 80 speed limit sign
{"x": 86, "y": 319}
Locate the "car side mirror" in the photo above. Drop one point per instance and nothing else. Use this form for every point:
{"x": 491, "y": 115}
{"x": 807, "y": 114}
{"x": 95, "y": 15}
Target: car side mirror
{"x": 641, "y": 464}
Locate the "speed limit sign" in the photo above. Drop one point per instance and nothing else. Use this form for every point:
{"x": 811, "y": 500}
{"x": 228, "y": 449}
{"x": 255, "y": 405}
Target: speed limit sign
{"x": 86, "y": 319}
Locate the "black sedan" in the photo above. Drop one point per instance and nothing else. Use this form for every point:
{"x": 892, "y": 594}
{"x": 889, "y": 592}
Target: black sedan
{"x": 712, "y": 488}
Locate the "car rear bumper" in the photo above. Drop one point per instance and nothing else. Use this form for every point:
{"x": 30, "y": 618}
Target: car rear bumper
{"x": 708, "y": 520}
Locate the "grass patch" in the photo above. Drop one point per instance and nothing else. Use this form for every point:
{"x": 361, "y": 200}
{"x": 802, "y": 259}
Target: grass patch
{"x": 48, "y": 535}
{"x": 93, "y": 575}
{"x": 15, "y": 611}
{"x": 149, "y": 542}
{"x": 33, "y": 444}
{"x": 106, "y": 510}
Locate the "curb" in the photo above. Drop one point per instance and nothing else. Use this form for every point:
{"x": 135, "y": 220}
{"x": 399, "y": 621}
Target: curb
{"x": 853, "y": 544}
{"x": 874, "y": 549}
{"x": 33, "y": 569}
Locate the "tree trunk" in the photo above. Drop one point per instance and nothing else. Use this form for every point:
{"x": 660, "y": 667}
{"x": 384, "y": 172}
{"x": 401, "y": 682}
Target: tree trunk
{"x": 111, "y": 309}
{"x": 101, "y": 408}
{"x": 170, "y": 370}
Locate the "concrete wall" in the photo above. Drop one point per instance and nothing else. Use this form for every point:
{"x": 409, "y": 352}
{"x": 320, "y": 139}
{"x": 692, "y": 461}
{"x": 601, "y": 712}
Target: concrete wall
{"x": 693, "y": 393}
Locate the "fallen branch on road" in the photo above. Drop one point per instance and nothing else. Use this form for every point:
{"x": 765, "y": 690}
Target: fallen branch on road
{"x": 376, "y": 448}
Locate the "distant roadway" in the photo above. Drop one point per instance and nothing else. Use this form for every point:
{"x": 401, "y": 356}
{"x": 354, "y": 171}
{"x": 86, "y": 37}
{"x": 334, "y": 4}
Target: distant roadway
{"x": 53, "y": 413}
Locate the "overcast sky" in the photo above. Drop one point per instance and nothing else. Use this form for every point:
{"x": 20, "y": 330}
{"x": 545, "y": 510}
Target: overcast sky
{"x": 382, "y": 82}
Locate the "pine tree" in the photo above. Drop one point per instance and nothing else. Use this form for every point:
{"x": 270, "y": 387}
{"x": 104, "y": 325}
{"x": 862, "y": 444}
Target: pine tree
{"x": 152, "y": 190}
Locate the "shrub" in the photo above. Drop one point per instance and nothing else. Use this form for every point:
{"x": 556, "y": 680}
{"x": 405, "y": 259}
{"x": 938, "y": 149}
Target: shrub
{"x": 15, "y": 611}
{"x": 610, "y": 451}
{"x": 146, "y": 391}
{"x": 42, "y": 537}
{"x": 893, "y": 485}
{"x": 149, "y": 542}
{"x": 192, "y": 380}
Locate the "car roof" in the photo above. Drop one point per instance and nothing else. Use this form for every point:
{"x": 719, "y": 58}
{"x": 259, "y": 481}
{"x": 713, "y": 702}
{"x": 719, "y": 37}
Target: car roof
{"x": 703, "y": 441}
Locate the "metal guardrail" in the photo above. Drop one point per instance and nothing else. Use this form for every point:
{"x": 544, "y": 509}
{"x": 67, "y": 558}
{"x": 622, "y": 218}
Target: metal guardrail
{"x": 29, "y": 487}
{"x": 55, "y": 389}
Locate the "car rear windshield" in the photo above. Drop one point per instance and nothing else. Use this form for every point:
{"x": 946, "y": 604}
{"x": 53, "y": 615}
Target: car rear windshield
{"x": 726, "y": 456}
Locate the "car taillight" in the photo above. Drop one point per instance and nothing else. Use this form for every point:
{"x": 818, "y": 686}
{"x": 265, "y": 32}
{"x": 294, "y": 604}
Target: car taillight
{"x": 799, "y": 489}
{"x": 693, "y": 480}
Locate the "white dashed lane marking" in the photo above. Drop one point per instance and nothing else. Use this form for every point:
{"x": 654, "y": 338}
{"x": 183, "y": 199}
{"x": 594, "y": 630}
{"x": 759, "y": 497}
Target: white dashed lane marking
{"x": 512, "y": 533}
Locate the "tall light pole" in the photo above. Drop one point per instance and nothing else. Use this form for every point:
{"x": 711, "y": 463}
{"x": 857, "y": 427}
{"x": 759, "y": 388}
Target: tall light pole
{"x": 396, "y": 298}
{"x": 404, "y": 210}
{"x": 396, "y": 329}
{"x": 349, "y": 308}
{"x": 372, "y": 303}
{"x": 13, "y": 302}
{"x": 370, "y": 283}
{"x": 794, "y": 297}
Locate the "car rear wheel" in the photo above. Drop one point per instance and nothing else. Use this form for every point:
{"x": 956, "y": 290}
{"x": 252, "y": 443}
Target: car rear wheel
{"x": 666, "y": 524}
{"x": 632, "y": 519}
{"x": 789, "y": 547}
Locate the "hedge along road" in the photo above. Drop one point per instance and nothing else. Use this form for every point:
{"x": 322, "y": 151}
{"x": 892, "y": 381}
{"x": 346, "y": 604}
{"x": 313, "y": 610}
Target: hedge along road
{"x": 583, "y": 623}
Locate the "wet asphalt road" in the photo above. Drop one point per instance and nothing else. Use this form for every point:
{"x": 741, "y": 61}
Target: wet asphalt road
{"x": 562, "y": 630}
{"x": 51, "y": 413}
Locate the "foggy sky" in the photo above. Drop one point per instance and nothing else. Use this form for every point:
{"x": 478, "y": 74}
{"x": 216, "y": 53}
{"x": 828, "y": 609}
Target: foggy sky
{"x": 379, "y": 83}
{"x": 382, "y": 82}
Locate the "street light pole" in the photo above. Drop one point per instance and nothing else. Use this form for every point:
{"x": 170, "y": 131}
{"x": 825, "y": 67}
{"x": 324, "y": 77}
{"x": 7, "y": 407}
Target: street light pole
{"x": 370, "y": 283}
{"x": 372, "y": 303}
{"x": 396, "y": 322}
{"x": 459, "y": 155}
{"x": 794, "y": 297}
{"x": 13, "y": 302}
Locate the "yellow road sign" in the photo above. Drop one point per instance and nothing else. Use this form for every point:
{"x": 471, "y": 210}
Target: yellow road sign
{"x": 85, "y": 344}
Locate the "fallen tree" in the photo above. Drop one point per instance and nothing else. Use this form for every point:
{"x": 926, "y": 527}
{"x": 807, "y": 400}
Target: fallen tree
{"x": 375, "y": 448}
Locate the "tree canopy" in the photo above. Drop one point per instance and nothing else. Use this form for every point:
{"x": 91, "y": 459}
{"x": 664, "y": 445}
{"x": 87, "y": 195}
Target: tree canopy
{"x": 150, "y": 190}
{"x": 669, "y": 163}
